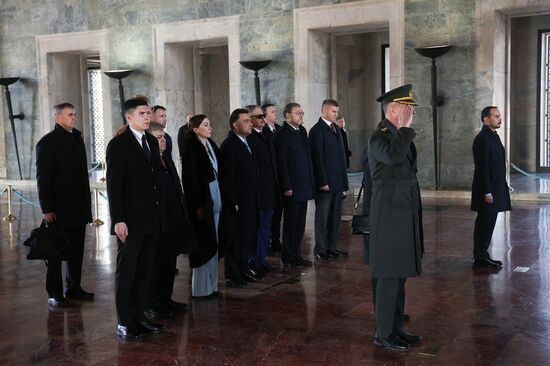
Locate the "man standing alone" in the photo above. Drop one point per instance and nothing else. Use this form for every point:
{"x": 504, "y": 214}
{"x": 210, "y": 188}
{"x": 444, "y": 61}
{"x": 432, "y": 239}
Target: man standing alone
{"x": 490, "y": 194}
{"x": 64, "y": 193}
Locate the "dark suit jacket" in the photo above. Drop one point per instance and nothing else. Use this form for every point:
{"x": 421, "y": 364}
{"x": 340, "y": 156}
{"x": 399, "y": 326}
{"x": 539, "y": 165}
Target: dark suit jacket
{"x": 489, "y": 173}
{"x": 328, "y": 157}
{"x": 133, "y": 185}
{"x": 62, "y": 177}
{"x": 242, "y": 180}
{"x": 264, "y": 153}
{"x": 294, "y": 163}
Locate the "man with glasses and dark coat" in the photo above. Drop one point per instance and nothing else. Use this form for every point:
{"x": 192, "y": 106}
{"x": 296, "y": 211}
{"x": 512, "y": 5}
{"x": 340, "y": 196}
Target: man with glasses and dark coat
{"x": 395, "y": 245}
{"x": 268, "y": 192}
{"x": 297, "y": 183}
{"x": 64, "y": 193}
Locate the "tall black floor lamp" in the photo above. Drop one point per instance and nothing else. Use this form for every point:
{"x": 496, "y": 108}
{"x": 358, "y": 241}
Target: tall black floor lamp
{"x": 119, "y": 75}
{"x": 434, "y": 52}
{"x": 256, "y": 66}
{"x": 6, "y": 82}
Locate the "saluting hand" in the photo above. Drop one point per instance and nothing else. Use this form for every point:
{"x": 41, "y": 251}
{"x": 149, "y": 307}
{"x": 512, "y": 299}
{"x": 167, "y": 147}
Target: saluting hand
{"x": 121, "y": 231}
{"x": 405, "y": 118}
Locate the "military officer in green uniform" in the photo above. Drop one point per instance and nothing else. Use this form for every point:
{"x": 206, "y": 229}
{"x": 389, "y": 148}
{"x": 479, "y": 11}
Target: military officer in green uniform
{"x": 395, "y": 216}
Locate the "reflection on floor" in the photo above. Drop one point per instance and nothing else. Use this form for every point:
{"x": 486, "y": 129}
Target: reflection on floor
{"x": 321, "y": 316}
{"x": 530, "y": 183}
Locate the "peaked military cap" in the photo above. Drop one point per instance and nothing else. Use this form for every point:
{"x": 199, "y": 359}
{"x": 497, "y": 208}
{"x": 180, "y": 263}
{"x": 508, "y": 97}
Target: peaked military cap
{"x": 402, "y": 95}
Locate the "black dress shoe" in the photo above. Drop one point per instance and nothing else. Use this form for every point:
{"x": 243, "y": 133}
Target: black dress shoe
{"x": 128, "y": 334}
{"x": 406, "y": 318}
{"x": 158, "y": 314}
{"x": 392, "y": 342}
{"x": 237, "y": 283}
{"x": 324, "y": 256}
{"x": 408, "y": 338}
{"x": 497, "y": 262}
{"x": 59, "y": 302}
{"x": 304, "y": 262}
{"x": 147, "y": 327}
{"x": 484, "y": 263}
{"x": 79, "y": 294}
{"x": 175, "y": 305}
{"x": 337, "y": 253}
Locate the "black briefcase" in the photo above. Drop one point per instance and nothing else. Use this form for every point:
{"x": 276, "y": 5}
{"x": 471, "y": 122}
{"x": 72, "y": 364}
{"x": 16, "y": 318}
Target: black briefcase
{"x": 360, "y": 224}
{"x": 48, "y": 242}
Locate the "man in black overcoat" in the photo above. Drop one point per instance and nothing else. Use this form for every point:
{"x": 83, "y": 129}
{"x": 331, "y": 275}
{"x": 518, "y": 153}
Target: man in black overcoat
{"x": 329, "y": 166}
{"x": 270, "y": 129}
{"x": 241, "y": 186}
{"x": 64, "y": 193}
{"x": 490, "y": 192}
{"x": 268, "y": 192}
{"x": 395, "y": 242}
{"x": 136, "y": 207}
{"x": 297, "y": 183}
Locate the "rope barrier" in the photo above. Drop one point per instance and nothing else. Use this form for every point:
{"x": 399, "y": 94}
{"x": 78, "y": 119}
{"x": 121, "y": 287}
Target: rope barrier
{"x": 4, "y": 191}
{"x": 94, "y": 168}
{"x": 26, "y": 200}
{"x": 530, "y": 175}
{"x": 103, "y": 195}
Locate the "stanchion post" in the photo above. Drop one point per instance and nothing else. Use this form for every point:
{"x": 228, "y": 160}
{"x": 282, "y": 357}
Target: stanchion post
{"x": 102, "y": 179}
{"x": 10, "y": 217}
{"x": 97, "y": 221}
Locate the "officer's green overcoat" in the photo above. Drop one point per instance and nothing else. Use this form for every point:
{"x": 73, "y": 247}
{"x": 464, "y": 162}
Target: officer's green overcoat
{"x": 395, "y": 217}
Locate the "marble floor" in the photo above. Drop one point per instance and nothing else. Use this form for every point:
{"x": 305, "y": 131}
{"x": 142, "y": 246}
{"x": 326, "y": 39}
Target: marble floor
{"x": 317, "y": 316}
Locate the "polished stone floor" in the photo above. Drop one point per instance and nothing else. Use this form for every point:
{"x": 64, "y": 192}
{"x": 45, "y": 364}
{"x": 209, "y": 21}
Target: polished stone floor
{"x": 317, "y": 316}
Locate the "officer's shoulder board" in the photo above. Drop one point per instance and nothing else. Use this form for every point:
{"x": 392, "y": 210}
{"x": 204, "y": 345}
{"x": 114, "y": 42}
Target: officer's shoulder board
{"x": 384, "y": 130}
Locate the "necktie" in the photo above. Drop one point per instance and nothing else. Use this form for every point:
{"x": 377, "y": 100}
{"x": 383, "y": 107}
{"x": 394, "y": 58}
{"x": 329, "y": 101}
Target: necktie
{"x": 145, "y": 147}
{"x": 162, "y": 163}
{"x": 332, "y": 128}
{"x": 247, "y": 147}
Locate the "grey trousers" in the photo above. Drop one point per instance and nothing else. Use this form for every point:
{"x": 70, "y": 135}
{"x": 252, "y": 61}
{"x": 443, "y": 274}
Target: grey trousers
{"x": 328, "y": 214}
{"x": 390, "y": 305}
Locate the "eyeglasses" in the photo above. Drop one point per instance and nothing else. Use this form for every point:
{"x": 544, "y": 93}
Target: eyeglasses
{"x": 259, "y": 116}
{"x": 298, "y": 113}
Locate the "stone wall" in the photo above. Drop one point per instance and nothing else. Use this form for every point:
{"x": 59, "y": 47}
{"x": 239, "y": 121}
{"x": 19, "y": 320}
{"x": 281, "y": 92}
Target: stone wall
{"x": 430, "y": 23}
